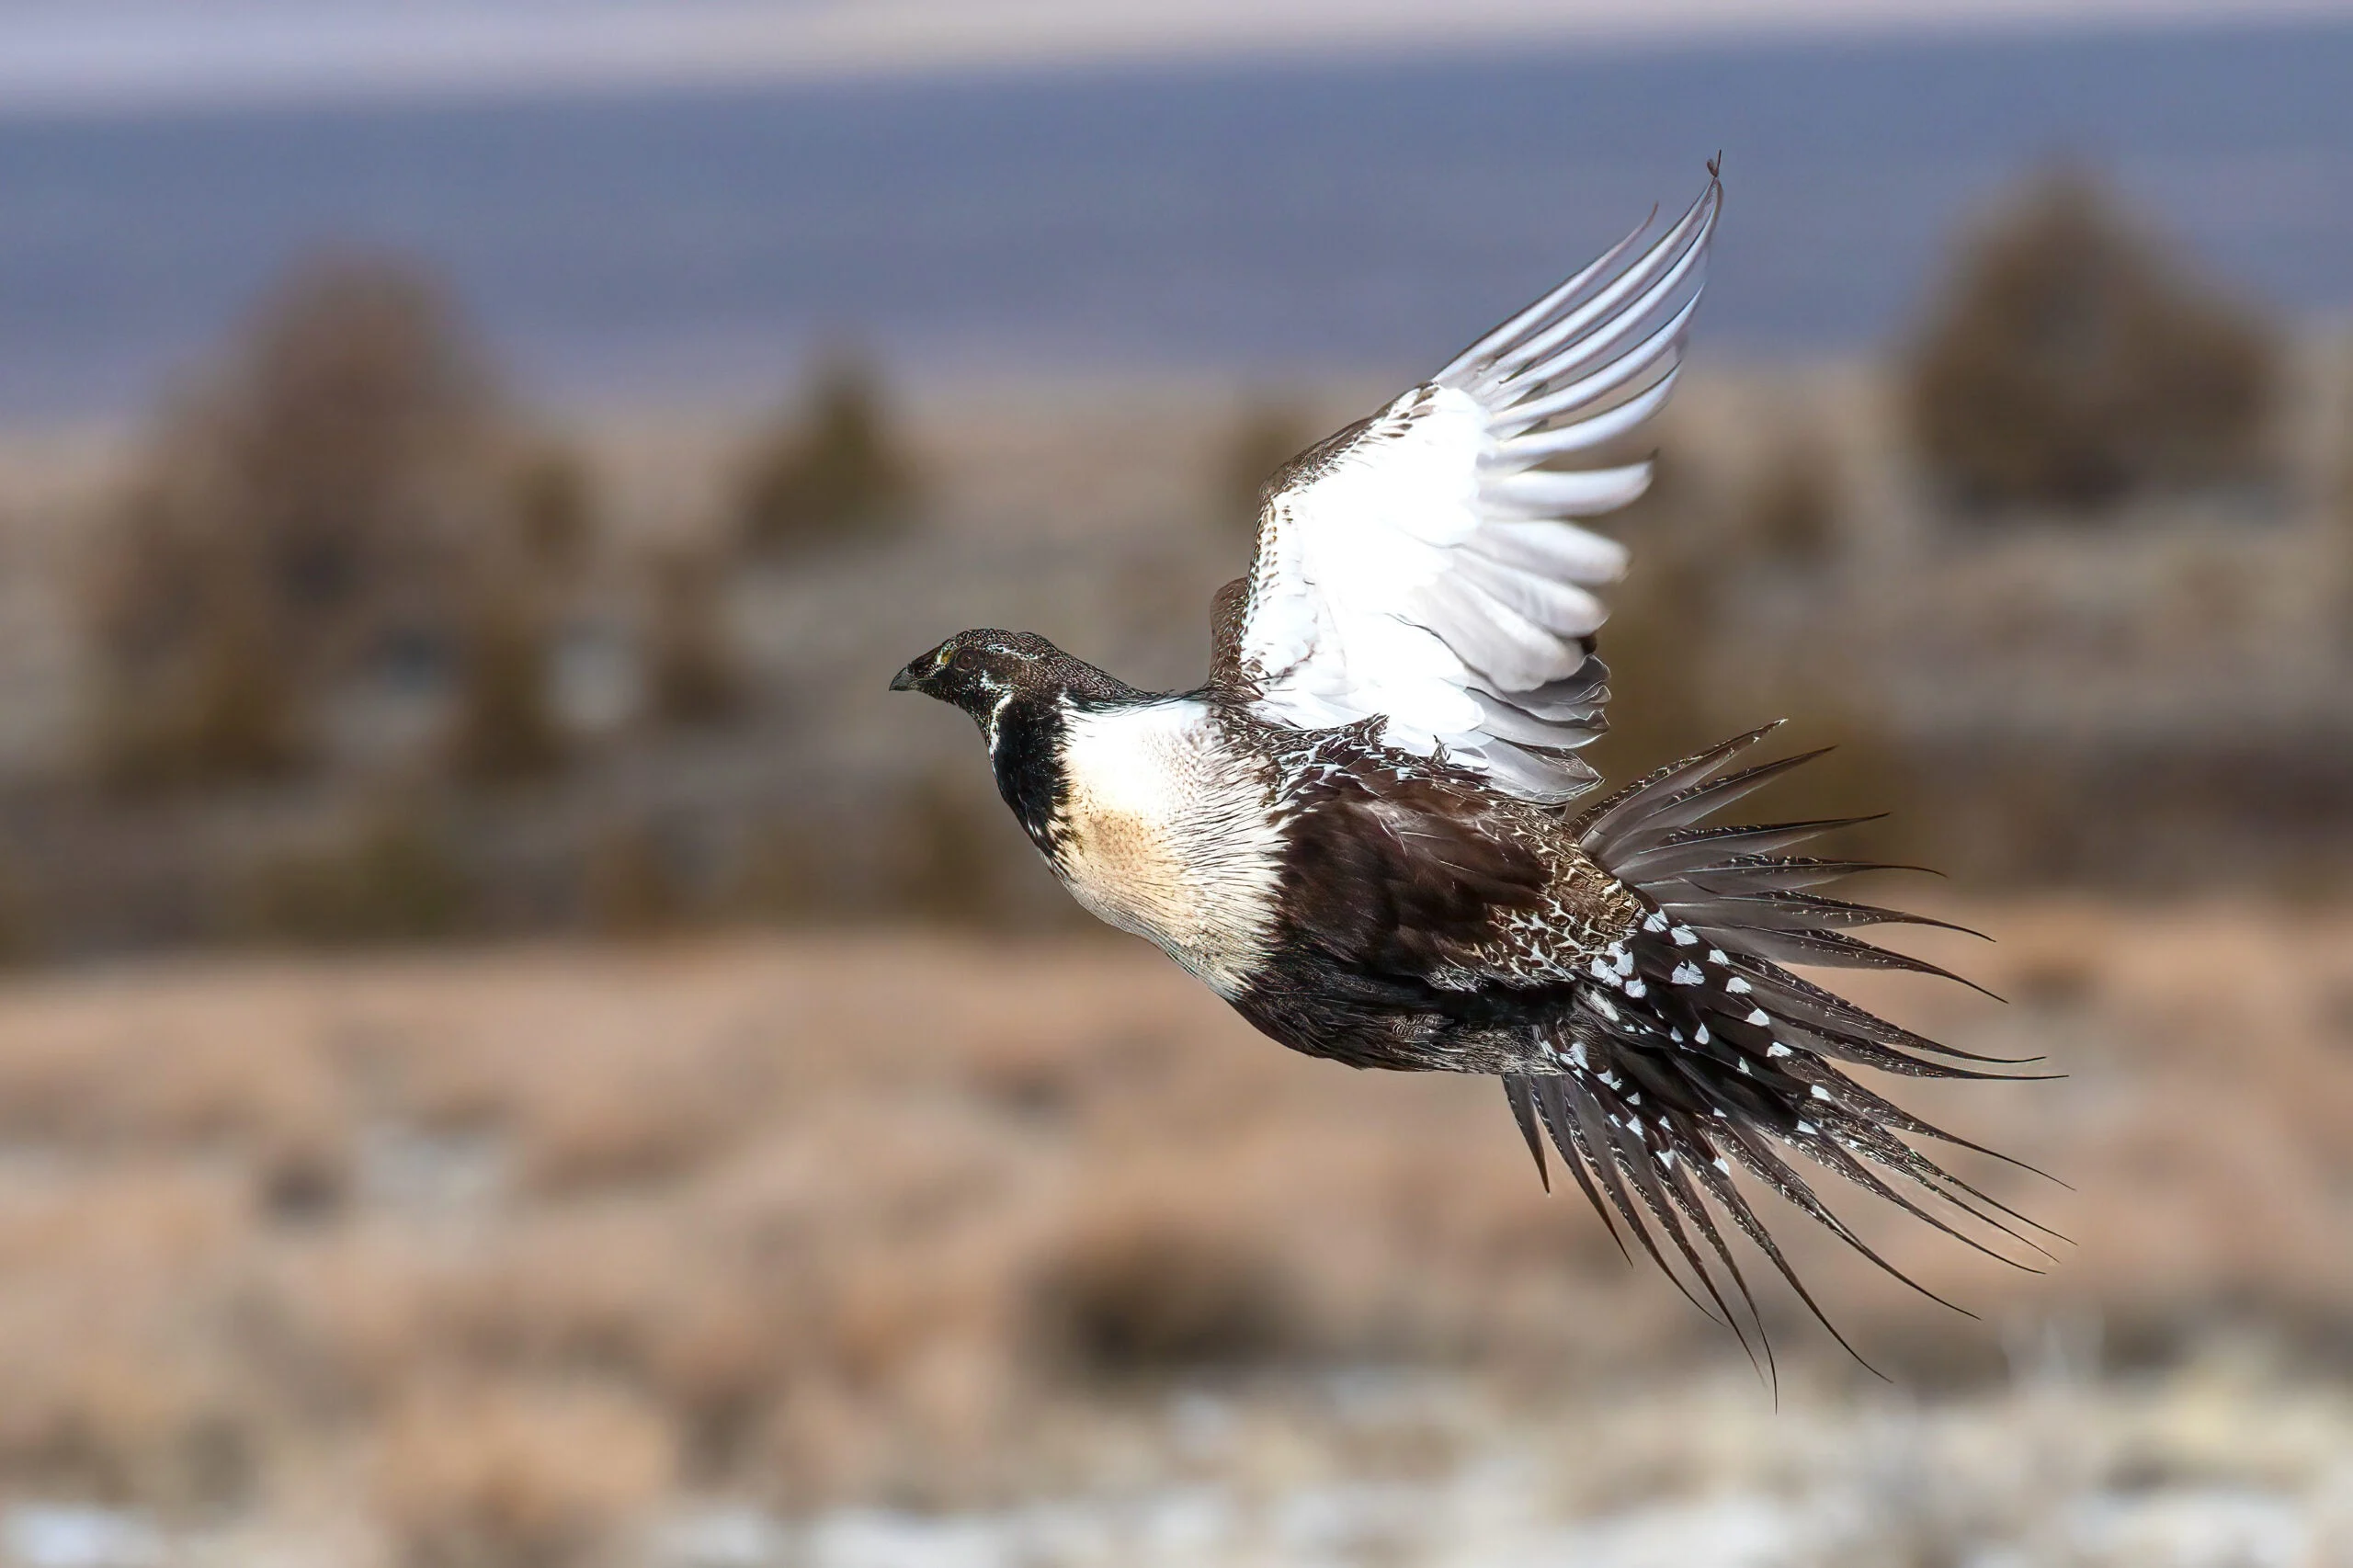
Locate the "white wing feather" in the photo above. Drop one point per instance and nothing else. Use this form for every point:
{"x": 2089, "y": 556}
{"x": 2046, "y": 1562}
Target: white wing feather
{"x": 1419, "y": 566}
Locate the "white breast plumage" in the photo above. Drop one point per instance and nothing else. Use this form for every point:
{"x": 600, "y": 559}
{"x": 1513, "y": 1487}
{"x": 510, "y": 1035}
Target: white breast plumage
{"x": 1165, "y": 832}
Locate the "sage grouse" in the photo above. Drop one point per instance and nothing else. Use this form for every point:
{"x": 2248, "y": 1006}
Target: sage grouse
{"x": 1360, "y": 831}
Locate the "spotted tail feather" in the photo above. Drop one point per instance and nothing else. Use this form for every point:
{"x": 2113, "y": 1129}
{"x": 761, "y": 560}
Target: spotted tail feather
{"x": 1693, "y": 1056}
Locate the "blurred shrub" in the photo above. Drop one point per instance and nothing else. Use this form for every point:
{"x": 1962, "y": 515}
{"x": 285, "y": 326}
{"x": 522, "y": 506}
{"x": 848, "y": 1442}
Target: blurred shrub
{"x": 1792, "y": 506}
{"x": 833, "y": 471}
{"x": 780, "y": 875}
{"x": 396, "y": 878}
{"x": 505, "y": 1480}
{"x": 505, "y": 727}
{"x": 629, "y": 888}
{"x": 693, "y": 676}
{"x": 955, "y": 845}
{"x": 108, "y": 1423}
{"x": 555, "y": 510}
{"x": 307, "y": 1177}
{"x": 24, "y": 931}
{"x": 225, "y": 707}
{"x": 938, "y": 849}
{"x": 720, "y": 1360}
{"x": 1268, "y": 435}
{"x": 1135, "y": 1293}
{"x": 2073, "y": 364}
{"x": 1677, "y": 687}
{"x": 312, "y": 503}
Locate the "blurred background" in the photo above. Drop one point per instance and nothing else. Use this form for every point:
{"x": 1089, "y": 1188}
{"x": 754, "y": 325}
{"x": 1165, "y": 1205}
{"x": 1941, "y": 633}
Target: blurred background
{"x": 514, "y": 1052}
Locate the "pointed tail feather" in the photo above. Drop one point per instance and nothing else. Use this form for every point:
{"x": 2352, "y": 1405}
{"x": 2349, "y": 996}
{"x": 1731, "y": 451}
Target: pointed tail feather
{"x": 1693, "y": 1053}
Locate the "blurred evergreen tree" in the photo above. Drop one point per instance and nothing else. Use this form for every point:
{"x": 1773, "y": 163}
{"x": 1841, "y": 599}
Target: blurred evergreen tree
{"x": 834, "y": 472}
{"x": 693, "y": 676}
{"x": 1792, "y": 506}
{"x": 628, "y": 885}
{"x": 311, "y": 505}
{"x": 392, "y": 876}
{"x": 2073, "y": 364}
{"x": 555, "y": 510}
{"x": 503, "y": 728}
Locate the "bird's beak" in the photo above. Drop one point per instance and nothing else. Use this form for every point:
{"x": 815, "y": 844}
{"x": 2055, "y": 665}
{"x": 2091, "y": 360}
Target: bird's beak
{"x": 904, "y": 680}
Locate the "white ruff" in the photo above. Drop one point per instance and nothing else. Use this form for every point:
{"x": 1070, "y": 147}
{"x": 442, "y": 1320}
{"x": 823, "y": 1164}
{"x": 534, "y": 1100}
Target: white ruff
{"x": 1166, "y": 833}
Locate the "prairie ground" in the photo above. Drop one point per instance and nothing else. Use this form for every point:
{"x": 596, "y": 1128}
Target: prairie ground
{"x": 899, "y": 1248}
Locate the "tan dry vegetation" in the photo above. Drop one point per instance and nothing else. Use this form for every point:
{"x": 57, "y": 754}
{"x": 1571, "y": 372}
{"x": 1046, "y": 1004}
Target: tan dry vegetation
{"x": 494, "y": 1479}
{"x": 530, "y": 1238}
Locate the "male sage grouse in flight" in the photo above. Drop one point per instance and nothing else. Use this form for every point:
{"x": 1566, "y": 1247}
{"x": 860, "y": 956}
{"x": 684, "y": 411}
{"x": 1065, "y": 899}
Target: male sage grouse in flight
{"x": 1360, "y": 833}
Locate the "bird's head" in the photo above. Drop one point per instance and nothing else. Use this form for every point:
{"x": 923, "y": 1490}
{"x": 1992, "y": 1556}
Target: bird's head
{"x": 977, "y": 671}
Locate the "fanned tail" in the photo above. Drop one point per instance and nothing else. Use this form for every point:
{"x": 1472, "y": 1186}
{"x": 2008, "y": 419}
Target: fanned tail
{"x": 1693, "y": 1053}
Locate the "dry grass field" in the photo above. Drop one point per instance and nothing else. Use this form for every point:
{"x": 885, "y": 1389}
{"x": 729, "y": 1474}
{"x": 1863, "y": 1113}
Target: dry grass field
{"x": 878, "y": 1250}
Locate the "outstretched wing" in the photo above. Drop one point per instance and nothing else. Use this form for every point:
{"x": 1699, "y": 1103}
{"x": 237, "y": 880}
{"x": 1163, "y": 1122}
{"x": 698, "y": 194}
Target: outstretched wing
{"x": 1419, "y": 564}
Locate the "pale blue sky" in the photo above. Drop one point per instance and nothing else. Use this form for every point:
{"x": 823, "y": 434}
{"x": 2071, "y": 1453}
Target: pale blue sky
{"x": 97, "y": 53}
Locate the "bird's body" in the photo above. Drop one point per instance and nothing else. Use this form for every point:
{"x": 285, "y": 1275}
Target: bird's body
{"x": 1360, "y": 829}
{"x": 1278, "y": 864}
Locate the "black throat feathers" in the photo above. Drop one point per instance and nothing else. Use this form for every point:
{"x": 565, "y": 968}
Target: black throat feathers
{"x": 1026, "y": 753}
